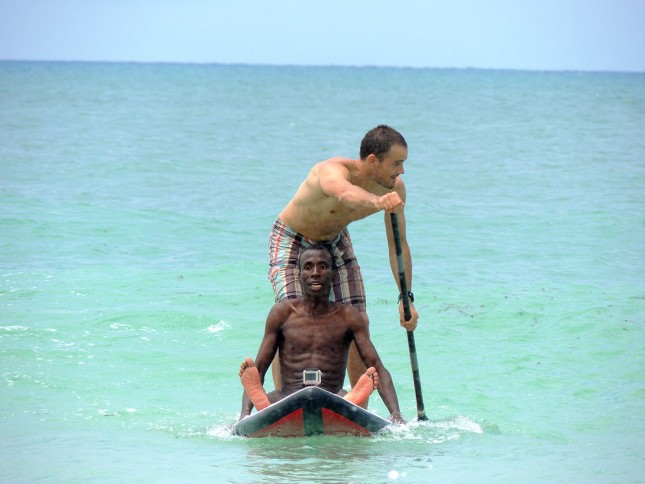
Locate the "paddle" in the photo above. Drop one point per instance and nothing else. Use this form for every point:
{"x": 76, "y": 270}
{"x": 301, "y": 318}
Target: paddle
{"x": 421, "y": 413}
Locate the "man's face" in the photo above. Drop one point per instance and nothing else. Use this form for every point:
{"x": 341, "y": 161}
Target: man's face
{"x": 316, "y": 271}
{"x": 390, "y": 166}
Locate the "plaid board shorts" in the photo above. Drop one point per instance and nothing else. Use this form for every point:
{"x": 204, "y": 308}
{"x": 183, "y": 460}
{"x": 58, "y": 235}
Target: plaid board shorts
{"x": 285, "y": 247}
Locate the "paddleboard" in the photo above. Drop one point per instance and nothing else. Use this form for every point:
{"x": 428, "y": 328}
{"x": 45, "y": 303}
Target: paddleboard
{"x": 310, "y": 411}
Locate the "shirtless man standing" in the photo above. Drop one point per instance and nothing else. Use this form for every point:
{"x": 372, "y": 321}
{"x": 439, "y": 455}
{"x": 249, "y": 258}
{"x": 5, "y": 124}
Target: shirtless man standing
{"x": 336, "y": 192}
{"x": 313, "y": 332}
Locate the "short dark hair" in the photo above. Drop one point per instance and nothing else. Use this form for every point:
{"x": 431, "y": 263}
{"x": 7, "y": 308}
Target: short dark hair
{"x": 320, "y": 246}
{"x": 379, "y": 140}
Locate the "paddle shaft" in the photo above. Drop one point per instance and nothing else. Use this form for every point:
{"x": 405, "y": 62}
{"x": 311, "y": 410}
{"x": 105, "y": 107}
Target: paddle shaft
{"x": 421, "y": 413}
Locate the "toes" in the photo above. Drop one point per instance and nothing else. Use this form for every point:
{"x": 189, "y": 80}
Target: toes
{"x": 371, "y": 372}
{"x": 247, "y": 363}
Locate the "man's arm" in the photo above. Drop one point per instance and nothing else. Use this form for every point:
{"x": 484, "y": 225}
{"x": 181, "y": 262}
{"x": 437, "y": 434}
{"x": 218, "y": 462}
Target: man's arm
{"x": 370, "y": 357}
{"x": 334, "y": 182}
{"x": 267, "y": 351}
{"x": 407, "y": 262}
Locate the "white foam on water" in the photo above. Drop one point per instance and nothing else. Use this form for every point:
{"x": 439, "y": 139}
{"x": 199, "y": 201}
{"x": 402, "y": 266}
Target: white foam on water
{"x": 434, "y": 432}
{"x": 222, "y": 431}
{"x": 14, "y": 328}
{"x": 458, "y": 423}
{"x": 216, "y": 328}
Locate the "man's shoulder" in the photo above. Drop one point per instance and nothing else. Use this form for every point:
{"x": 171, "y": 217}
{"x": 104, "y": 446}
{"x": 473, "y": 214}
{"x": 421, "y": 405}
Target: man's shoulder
{"x": 399, "y": 185}
{"x": 338, "y": 159}
{"x": 336, "y": 167}
{"x": 347, "y": 311}
{"x": 336, "y": 163}
{"x": 283, "y": 307}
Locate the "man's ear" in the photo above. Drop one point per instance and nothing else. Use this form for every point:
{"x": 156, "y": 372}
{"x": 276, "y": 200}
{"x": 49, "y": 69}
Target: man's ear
{"x": 371, "y": 159}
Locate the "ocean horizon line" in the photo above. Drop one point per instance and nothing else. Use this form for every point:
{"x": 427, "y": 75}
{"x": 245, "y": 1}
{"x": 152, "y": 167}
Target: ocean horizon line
{"x": 319, "y": 66}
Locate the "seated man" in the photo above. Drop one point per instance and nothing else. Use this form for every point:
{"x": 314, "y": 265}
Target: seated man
{"x": 314, "y": 332}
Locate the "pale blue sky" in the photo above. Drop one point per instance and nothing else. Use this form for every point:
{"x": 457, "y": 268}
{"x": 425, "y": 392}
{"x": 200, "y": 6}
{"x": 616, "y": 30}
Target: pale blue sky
{"x": 511, "y": 34}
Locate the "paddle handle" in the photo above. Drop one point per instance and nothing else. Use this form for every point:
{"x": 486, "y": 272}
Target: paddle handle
{"x": 421, "y": 413}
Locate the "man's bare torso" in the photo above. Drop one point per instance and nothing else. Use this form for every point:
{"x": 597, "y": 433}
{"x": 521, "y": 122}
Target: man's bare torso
{"x": 321, "y": 341}
{"x": 320, "y": 217}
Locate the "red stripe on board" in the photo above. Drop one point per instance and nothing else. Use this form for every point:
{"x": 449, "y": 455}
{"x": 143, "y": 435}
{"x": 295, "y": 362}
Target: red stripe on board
{"x": 334, "y": 423}
{"x": 291, "y": 425}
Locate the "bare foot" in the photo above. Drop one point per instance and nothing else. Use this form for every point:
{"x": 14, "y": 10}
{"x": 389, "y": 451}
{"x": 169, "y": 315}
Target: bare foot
{"x": 364, "y": 387}
{"x": 250, "y": 378}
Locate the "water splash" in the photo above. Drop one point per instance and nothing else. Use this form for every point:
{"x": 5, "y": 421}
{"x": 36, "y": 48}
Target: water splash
{"x": 460, "y": 422}
{"x": 222, "y": 432}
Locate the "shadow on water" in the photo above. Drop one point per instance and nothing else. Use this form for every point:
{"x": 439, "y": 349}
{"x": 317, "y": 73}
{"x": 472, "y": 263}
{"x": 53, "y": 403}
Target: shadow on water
{"x": 309, "y": 458}
{"x": 404, "y": 451}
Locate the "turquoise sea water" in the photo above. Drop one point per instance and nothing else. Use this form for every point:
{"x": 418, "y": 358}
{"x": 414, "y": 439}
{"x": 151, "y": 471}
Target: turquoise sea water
{"x": 136, "y": 205}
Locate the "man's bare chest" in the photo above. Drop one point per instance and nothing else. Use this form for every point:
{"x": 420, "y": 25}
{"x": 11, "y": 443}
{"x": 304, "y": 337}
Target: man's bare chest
{"x": 314, "y": 336}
